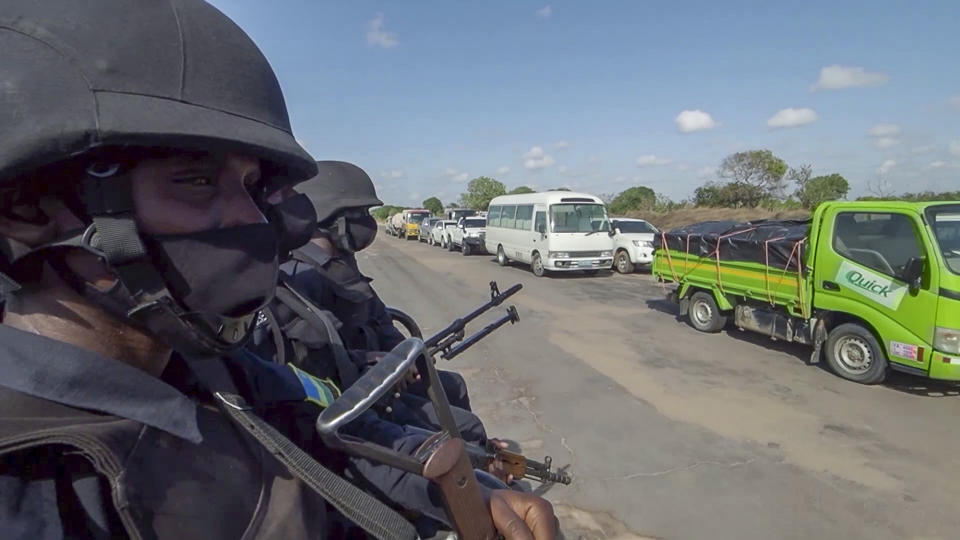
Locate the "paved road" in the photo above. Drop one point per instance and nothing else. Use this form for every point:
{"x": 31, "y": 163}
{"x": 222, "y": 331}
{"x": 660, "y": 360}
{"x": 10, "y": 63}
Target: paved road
{"x": 671, "y": 433}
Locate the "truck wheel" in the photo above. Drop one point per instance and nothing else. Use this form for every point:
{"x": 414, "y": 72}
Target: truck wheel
{"x": 465, "y": 249}
{"x": 704, "y": 314}
{"x": 536, "y": 265}
{"x": 449, "y": 244}
{"x": 854, "y": 354}
{"x": 622, "y": 263}
{"x": 501, "y": 256}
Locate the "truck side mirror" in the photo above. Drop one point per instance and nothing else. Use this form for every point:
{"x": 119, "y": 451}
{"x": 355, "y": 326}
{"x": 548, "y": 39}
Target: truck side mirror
{"x": 542, "y": 228}
{"x": 912, "y": 273}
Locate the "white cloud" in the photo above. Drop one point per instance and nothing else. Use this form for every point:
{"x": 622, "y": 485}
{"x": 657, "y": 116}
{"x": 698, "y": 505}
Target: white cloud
{"x": 536, "y": 158}
{"x": 954, "y": 102}
{"x": 936, "y": 164}
{"x": 377, "y": 36}
{"x": 706, "y": 172}
{"x": 545, "y": 12}
{"x": 454, "y": 175}
{"x": 884, "y": 130}
{"x": 885, "y": 142}
{"x": 561, "y": 145}
{"x": 925, "y": 149}
{"x": 394, "y": 173}
{"x": 837, "y": 77}
{"x": 696, "y": 120}
{"x": 887, "y": 165}
{"x": 955, "y": 148}
{"x": 593, "y": 159}
{"x": 650, "y": 159}
{"x": 562, "y": 169}
{"x": 682, "y": 167}
{"x": 790, "y": 117}
{"x": 504, "y": 170}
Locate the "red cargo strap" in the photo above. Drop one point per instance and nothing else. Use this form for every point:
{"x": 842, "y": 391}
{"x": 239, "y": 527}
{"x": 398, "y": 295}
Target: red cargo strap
{"x": 716, "y": 253}
{"x": 666, "y": 246}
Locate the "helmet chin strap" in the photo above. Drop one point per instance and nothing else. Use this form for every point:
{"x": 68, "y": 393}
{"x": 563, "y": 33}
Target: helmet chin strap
{"x": 141, "y": 295}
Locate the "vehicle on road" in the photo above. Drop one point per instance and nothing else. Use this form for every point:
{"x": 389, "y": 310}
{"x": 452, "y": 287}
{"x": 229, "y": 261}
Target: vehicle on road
{"x": 440, "y": 232}
{"x": 554, "y": 231}
{"x": 467, "y": 235}
{"x": 455, "y": 214}
{"x": 873, "y": 285}
{"x": 632, "y": 244}
{"x": 411, "y": 223}
{"x": 395, "y": 224}
{"x": 426, "y": 227}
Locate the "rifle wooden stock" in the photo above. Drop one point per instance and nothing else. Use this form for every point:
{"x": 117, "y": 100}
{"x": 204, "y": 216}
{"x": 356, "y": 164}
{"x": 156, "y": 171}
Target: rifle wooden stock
{"x": 449, "y": 467}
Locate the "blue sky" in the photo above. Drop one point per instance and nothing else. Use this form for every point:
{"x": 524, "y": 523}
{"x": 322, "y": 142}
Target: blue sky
{"x": 426, "y": 95}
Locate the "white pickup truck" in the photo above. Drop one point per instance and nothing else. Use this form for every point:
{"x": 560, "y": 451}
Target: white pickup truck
{"x": 632, "y": 243}
{"x": 468, "y": 235}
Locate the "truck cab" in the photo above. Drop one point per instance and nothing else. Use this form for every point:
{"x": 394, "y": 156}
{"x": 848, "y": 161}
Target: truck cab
{"x": 632, "y": 244}
{"x": 412, "y": 220}
{"x": 468, "y": 235}
{"x": 894, "y": 268}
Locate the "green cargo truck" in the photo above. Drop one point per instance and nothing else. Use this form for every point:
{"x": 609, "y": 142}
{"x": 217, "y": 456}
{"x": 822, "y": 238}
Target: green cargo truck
{"x": 871, "y": 286}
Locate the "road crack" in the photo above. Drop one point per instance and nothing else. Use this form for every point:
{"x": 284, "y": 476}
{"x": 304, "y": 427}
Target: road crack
{"x": 689, "y": 467}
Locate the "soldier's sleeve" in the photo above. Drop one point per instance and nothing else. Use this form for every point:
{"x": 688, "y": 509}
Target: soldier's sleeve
{"x": 387, "y": 334}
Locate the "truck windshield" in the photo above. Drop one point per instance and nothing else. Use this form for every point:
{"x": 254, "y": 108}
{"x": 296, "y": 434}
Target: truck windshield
{"x": 635, "y": 227}
{"x": 417, "y": 218}
{"x": 946, "y": 227}
{"x": 578, "y": 218}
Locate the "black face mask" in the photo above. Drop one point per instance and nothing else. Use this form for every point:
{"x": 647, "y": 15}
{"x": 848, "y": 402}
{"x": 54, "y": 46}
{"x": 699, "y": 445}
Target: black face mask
{"x": 229, "y": 272}
{"x": 354, "y": 233}
{"x": 296, "y": 221}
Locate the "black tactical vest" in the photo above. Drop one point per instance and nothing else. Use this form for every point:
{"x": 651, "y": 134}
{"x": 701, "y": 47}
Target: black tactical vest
{"x": 165, "y": 487}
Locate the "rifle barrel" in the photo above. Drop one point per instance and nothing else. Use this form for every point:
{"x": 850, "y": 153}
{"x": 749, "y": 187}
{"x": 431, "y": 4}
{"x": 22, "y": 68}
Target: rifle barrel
{"x": 460, "y": 323}
{"x": 509, "y": 317}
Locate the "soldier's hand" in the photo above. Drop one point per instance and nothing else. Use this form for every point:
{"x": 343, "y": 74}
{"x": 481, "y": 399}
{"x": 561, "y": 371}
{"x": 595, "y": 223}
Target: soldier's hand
{"x": 496, "y": 466}
{"x": 523, "y": 516}
{"x": 411, "y": 377}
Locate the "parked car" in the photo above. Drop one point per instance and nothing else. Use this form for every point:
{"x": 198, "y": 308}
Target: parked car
{"x": 632, "y": 244}
{"x": 555, "y": 231}
{"x": 440, "y": 232}
{"x": 426, "y": 227}
{"x": 468, "y": 235}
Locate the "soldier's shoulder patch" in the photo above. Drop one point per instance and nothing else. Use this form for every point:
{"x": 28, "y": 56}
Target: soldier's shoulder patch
{"x": 319, "y": 391}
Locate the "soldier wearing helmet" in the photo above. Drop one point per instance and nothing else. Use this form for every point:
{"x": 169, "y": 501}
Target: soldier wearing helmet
{"x": 342, "y": 195}
{"x": 137, "y": 139}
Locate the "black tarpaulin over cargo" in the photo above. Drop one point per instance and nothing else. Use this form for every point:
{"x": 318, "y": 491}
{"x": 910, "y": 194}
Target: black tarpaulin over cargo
{"x": 774, "y": 243}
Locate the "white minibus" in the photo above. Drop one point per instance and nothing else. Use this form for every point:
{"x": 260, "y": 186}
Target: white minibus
{"x": 554, "y": 231}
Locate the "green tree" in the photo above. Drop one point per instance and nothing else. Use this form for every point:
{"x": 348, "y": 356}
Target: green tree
{"x": 816, "y": 190}
{"x": 757, "y": 168}
{"x": 520, "y": 190}
{"x": 434, "y": 205}
{"x": 384, "y": 212}
{"x": 635, "y": 198}
{"x": 480, "y": 191}
{"x": 559, "y": 189}
{"x": 729, "y": 195}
